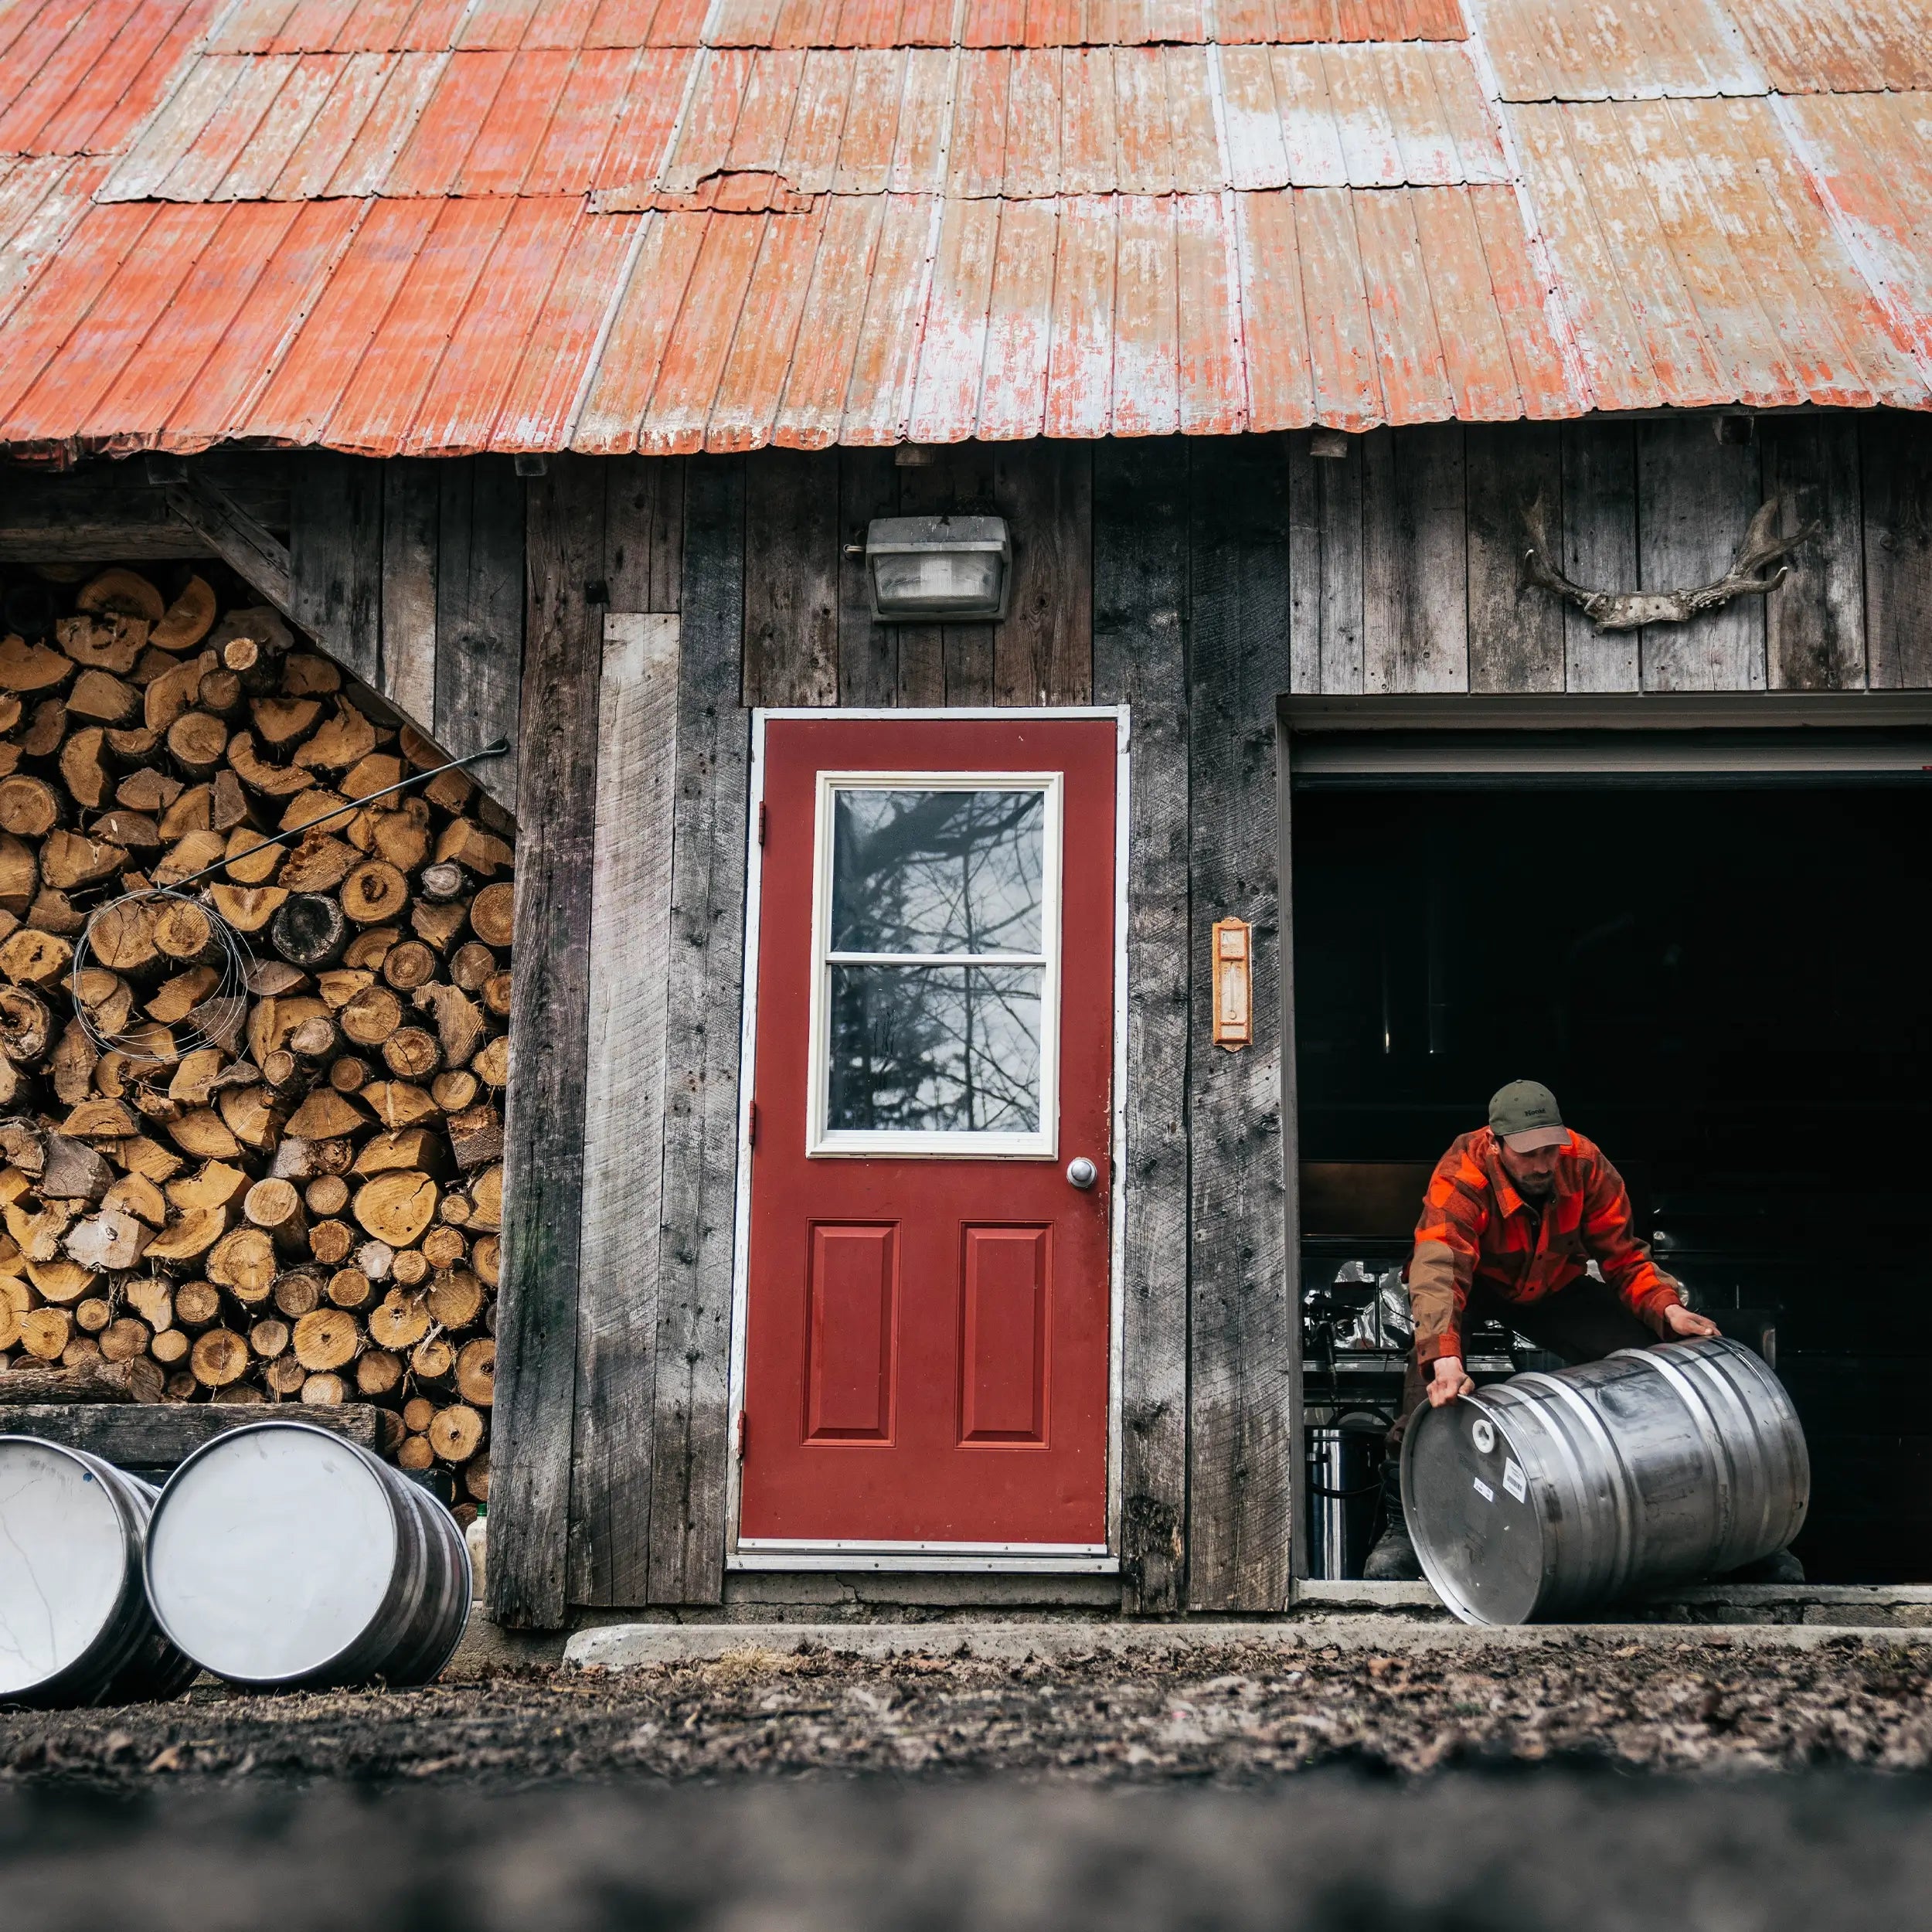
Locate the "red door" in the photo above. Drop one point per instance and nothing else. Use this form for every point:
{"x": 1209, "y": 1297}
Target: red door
{"x": 927, "y": 1290}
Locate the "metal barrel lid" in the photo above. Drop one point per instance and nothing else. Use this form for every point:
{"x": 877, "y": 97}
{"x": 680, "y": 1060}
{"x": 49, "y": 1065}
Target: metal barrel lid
{"x": 1471, "y": 1514}
{"x": 72, "y": 1617}
{"x": 272, "y": 1552}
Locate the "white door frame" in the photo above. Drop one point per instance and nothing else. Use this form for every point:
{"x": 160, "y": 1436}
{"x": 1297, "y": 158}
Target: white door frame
{"x": 798, "y": 1554}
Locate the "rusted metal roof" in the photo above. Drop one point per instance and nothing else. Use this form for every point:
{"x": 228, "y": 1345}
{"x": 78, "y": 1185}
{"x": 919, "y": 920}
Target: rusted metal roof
{"x": 435, "y": 227}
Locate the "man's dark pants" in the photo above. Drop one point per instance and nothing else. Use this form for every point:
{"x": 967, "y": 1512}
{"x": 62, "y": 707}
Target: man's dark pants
{"x": 1583, "y": 1322}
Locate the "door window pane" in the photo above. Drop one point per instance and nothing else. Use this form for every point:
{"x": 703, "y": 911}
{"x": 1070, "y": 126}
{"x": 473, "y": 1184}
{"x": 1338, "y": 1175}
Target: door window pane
{"x": 937, "y": 871}
{"x": 934, "y": 1048}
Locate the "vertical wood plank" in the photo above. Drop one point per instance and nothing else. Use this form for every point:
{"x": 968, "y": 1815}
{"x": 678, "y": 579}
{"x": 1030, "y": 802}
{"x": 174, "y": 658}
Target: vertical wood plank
{"x": 925, "y": 489}
{"x": 705, "y": 985}
{"x": 867, "y": 652}
{"x": 335, "y": 558}
{"x": 411, "y": 496}
{"x": 1597, "y": 515}
{"x": 1515, "y": 631}
{"x": 791, "y": 578}
{"x": 479, "y": 611}
{"x": 1897, "y": 461}
{"x": 644, "y": 534}
{"x": 1416, "y": 561}
{"x": 617, "y": 1306}
{"x": 549, "y": 1032}
{"x": 1140, "y": 659}
{"x": 966, "y": 650}
{"x": 1338, "y": 486}
{"x": 1304, "y": 565}
{"x": 1814, "y": 620}
{"x": 1695, "y": 498}
{"x": 1043, "y": 653}
{"x": 1241, "y": 1476}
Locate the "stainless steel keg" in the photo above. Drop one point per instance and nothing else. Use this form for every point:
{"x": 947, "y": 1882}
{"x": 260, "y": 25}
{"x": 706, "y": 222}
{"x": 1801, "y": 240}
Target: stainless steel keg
{"x": 75, "y": 1628}
{"x": 1549, "y": 1494}
{"x": 280, "y": 1554}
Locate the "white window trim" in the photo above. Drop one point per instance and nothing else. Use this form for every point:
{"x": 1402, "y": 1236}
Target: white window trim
{"x": 1038, "y": 1559}
{"x": 823, "y": 1143}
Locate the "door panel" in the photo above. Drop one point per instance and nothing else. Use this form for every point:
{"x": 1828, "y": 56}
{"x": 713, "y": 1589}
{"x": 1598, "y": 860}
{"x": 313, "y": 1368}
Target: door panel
{"x": 928, "y": 1296}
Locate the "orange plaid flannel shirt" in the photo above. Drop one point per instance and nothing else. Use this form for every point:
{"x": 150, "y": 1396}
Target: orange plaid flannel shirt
{"x": 1476, "y": 1227}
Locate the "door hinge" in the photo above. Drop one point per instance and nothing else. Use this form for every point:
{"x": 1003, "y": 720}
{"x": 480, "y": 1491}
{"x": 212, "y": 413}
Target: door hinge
{"x": 761, "y": 821}
{"x": 751, "y": 1124}
{"x": 741, "y": 1435}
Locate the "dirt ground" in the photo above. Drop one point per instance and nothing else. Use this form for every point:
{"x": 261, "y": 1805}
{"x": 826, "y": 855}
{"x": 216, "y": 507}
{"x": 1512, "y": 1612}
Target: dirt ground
{"x": 1231, "y": 1715}
{"x": 1595, "y": 1787}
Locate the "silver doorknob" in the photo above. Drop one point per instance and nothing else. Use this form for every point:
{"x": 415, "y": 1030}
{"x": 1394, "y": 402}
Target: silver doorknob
{"x": 1082, "y": 1173}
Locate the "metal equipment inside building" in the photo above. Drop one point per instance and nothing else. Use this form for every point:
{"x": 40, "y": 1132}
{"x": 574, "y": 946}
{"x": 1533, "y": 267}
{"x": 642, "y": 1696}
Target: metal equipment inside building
{"x": 1724, "y": 984}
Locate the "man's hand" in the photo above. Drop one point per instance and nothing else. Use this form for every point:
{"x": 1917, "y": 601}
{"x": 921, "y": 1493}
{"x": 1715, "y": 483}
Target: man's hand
{"x": 1679, "y": 1320}
{"x": 1448, "y": 1382}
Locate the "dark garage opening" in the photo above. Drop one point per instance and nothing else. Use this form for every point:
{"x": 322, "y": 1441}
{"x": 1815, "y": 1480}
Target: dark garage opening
{"x": 1726, "y": 986}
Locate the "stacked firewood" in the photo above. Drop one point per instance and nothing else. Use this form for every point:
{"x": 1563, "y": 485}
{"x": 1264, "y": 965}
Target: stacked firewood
{"x": 250, "y": 1132}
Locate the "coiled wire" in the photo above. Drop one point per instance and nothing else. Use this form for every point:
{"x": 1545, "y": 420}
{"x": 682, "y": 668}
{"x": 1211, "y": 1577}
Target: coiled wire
{"x": 214, "y": 1020}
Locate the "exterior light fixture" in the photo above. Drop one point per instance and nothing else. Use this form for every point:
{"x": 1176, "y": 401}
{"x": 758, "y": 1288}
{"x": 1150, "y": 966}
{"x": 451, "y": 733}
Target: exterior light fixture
{"x": 924, "y": 569}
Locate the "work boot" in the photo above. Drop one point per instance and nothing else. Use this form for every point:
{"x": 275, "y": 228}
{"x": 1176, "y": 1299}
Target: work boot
{"x": 1780, "y": 1567}
{"x": 1392, "y": 1560}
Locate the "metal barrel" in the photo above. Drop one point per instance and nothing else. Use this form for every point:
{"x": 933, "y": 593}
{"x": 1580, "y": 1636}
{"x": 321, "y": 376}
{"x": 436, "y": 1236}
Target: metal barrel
{"x": 74, "y": 1627}
{"x": 1552, "y": 1493}
{"x": 281, "y": 1555}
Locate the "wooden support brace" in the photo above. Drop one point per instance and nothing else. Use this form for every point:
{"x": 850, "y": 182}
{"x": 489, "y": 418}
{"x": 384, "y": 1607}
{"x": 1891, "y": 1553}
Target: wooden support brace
{"x": 257, "y": 553}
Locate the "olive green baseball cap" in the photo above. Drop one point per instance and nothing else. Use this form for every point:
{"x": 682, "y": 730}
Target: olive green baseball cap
{"x": 1524, "y": 1117}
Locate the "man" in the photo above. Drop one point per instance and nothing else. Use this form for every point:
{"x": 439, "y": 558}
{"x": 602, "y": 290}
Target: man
{"x": 1515, "y": 1214}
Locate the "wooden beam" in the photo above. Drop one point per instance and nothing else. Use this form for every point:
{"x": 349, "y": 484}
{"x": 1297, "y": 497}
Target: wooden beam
{"x": 410, "y": 524}
{"x": 479, "y": 613}
{"x": 115, "y": 512}
{"x": 335, "y": 559}
{"x": 1515, "y": 630}
{"x": 1896, "y": 453}
{"x": 867, "y": 652}
{"x": 1043, "y": 653}
{"x": 689, "y": 1465}
{"x": 1140, "y": 659}
{"x": 1241, "y": 1454}
{"x": 1599, "y": 518}
{"x": 791, "y": 578}
{"x": 158, "y": 1435}
{"x": 543, "y": 1133}
{"x": 253, "y": 550}
{"x": 618, "y": 1302}
{"x": 1814, "y": 620}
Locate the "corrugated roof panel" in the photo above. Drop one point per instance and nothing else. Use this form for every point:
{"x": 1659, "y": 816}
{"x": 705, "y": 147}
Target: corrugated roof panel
{"x": 1274, "y": 325}
{"x": 452, "y": 123}
{"x": 174, "y": 130}
{"x": 1079, "y": 358}
{"x": 640, "y": 331}
{"x": 676, "y": 23}
{"x": 1478, "y": 375}
{"x": 258, "y": 166}
{"x": 1209, "y": 362}
{"x": 1013, "y": 392}
{"x": 229, "y": 130}
{"x": 1415, "y": 385}
{"x": 380, "y": 401}
{"x": 217, "y": 404}
{"x": 1846, "y": 46}
{"x": 356, "y": 83}
{"x": 880, "y": 396}
{"x": 117, "y": 88}
{"x": 560, "y": 25}
{"x": 409, "y": 82}
{"x": 322, "y": 360}
{"x": 1257, "y": 156}
{"x": 1310, "y": 129}
{"x": 199, "y": 326}
{"x": 61, "y": 404}
{"x": 250, "y": 26}
{"x": 1198, "y": 166}
{"x": 952, "y": 349}
{"x": 1370, "y": 151}
{"x": 539, "y": 405}
{"x": 806, "y": 23}
{"x": 1549, "y": 371}
{"x": 1582, "y": 50}
{"x": 508, "y": 139}
{"x": 33, "y": 93}
{"x": 764, "y": 120}
{"x": 60, "y": 300}
{"x": 977, "y": 150}
{"x": 1466, "y": 112}
{"x": 41, "y": 198}
{"x": 993, "y": 23}
{"x": 872, "y": 124}
{"x": 376, "y": 26}
{"x": 496, "y": 26}
{"x": 754, "y": 378}
{"x": 1055, "y": 23}
{"x": 694, "y": 359}
{"x": 710, "y": 117}
{"x": 1341, "y": 345}
{"x": 1089, "y": 144}
{"x": 1147, "y": 320}
{"x": 461, "y": 404}
{"x": 813, "y": 406}
{"x": 646, "y": 123}
{"x": 433, "y": 26}
{"x": 925, "y": 123}
{"x": 312, "y": 27}
{"x": 811, "y": 158}
{"x": 1033, "y": 124}
{"x": 42, "y": 33}
{"x": 569, "y": 159}
{"x": 1145, "y": 165}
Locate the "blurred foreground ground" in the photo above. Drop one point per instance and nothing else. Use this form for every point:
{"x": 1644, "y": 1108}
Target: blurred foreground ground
{"x": 1589, "y": 1784}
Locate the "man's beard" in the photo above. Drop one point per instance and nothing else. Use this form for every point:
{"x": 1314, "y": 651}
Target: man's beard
{"x": 1537, "y": 1189}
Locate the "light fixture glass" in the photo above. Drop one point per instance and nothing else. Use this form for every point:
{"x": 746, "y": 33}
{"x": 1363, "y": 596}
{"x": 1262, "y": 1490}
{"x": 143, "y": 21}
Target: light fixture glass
{"x": 938, "y": 569}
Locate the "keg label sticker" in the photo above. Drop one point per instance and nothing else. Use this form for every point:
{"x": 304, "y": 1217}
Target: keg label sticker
{"x": 1515, "y": 1480}
{"x": 1483, "y": 1491}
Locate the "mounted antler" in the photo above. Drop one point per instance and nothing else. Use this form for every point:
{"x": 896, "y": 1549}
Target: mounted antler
{"x": 1630, "y": 610}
